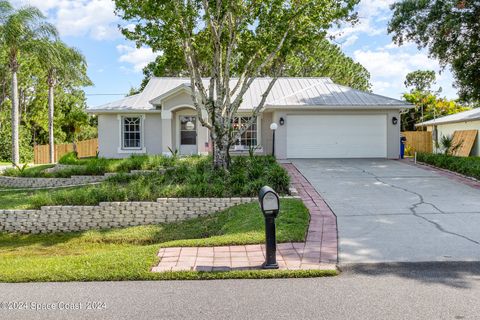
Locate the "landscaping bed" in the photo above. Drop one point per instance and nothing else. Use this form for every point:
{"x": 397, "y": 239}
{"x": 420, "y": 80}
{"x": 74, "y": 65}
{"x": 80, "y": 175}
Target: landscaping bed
{"x": 469, "y": 166}
{"x": 190, "y": 177}
{"x": 93, "y": 166}
{"x": 129, "y": 253}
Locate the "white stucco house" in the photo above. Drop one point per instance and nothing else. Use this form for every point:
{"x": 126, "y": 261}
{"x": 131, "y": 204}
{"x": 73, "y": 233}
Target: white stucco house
{"x": 316, "y": 119}
{"x": 446, "y": 126}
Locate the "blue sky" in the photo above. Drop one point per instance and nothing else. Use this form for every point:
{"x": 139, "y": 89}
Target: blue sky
{"x": 115, "y": 65}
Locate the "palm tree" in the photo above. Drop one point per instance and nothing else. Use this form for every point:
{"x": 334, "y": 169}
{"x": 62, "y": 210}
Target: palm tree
{"x": 19, "y": 29}
{"x": 61, "y": 63}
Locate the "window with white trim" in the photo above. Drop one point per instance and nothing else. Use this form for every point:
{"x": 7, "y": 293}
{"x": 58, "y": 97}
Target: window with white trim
{"x": 131, "y": 132}
{"x": 249, "y": 137}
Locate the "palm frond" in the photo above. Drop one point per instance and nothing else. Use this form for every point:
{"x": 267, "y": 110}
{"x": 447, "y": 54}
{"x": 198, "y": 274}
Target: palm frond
{"x": 24, "y": 25}
{"x": 5, "y": 10}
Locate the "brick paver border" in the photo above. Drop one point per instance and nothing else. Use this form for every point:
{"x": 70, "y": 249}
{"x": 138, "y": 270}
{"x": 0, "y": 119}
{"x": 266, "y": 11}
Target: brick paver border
{"x": 319, "y": 251}
{"x": 322, "y": 231}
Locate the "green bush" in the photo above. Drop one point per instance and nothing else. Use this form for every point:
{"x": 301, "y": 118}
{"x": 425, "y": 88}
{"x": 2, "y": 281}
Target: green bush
{"x": 28, "y": 171}
{"x": 69, "y": 158}
{"x": 99, "y": 166}
{"x": 469, "y": 166}
{"x": 191, "y": 177}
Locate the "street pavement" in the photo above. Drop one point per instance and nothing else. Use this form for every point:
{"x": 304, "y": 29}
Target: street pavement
{"x": 390, "y": 211}
{"x": 410, "y": 291}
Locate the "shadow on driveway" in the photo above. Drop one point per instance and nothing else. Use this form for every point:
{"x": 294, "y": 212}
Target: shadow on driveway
{"x": 457, "y": 274}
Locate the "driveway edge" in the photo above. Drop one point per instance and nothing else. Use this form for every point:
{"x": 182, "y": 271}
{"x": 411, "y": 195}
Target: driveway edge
{"x": 322, "y": 234}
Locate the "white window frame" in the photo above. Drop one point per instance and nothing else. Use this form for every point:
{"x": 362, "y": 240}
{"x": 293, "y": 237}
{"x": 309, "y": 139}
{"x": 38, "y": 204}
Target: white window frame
{"x": 121, "y": 148}
{"x": 240, "y": 147}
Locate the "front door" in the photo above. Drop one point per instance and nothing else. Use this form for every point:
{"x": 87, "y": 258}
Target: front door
{"x": 188, "y": 135}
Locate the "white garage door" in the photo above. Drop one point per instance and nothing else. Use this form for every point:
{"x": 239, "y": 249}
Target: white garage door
{"x": 337, "y": 136}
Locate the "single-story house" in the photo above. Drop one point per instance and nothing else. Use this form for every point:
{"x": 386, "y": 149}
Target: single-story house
{"x": 316, "y": 119}
{"x": 446, "y": 126}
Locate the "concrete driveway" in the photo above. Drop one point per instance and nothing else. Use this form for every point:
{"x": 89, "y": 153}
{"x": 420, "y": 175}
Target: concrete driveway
{"x": 389, "y": 211}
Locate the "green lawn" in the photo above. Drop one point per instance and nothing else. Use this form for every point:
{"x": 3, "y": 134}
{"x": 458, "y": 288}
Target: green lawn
{"x": 129, "y": 253}
{"x": 13, "y": 199}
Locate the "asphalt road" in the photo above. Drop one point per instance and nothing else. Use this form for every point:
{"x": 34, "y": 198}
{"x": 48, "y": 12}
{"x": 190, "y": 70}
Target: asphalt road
{"x": 419, "y": 291}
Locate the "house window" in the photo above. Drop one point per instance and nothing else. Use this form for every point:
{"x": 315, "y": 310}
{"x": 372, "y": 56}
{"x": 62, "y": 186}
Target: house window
{"x": 249, "y": 137}
{"x": 131, "y": 133}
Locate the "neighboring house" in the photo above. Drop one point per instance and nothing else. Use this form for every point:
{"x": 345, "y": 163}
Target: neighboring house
{"x": 446, "y": 126}
{"x": 316, "y": 119}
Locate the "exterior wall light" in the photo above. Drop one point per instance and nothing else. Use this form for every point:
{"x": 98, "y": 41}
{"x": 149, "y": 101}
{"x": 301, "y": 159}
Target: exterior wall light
{"x": 189, "y": 125}
{"x": 394, "y": 121}
{"x": 282, "y": 121}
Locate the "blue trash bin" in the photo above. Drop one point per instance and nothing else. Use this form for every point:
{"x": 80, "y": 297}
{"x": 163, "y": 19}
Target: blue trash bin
{"x": 402, "y": 147}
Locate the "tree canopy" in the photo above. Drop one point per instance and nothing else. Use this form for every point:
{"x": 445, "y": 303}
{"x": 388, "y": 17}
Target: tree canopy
{"x": 450, "y": 29}
{"x": 239, "y": 38}
{"x": 28, "y": 56}
{"x": 428, "y": 104}
{"x": 420, "y": 80}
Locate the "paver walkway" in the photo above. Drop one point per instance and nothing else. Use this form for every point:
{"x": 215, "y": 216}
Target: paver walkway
{"x": 318, "y": 252}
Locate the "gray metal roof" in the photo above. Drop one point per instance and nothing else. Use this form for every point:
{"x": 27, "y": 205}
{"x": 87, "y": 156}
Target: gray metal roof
{"x": 465, "y": 116}
{"x": 287, "y": 92}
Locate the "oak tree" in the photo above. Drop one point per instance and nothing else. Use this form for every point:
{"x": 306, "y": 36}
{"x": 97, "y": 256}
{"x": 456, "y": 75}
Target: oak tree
{"x": 243, "y": 38}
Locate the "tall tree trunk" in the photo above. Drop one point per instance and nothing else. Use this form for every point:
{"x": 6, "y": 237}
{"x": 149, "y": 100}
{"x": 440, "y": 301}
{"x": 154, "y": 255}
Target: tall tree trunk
{"x": 15, "y": 119}
{"x": 51, "y": 140}
{"x": 220, "y": 141}
{"x": 221, "y": 156}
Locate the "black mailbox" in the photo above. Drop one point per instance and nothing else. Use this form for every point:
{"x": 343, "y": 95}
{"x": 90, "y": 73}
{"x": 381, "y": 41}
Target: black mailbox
{"x": 269, "y": 201}
{"x": 270, "y": 204}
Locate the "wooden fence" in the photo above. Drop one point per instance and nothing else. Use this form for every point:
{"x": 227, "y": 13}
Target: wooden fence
{"x": 420, "y": 141}
{"x": 86, "y": 148}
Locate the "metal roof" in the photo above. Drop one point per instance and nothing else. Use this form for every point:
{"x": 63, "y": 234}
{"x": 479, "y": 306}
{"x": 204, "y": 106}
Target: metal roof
{"x": 465, "y": 116}
{"x": 295, "y": 92}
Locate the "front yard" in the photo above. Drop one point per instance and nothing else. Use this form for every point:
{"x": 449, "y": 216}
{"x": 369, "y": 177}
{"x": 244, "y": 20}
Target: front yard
{"x": 129, "y": 253}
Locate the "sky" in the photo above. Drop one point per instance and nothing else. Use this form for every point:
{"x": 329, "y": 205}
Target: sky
{"x": 115, "y": 64}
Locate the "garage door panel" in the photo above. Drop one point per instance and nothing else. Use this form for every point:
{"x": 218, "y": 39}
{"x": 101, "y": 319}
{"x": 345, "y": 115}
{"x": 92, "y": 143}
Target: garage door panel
{"x": 336, "y": 136}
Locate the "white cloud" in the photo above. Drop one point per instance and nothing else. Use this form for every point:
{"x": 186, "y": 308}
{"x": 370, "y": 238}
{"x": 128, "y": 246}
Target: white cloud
{"x": 370, "y": 8}
{"x": 93, "y": 18}
{"x": 383, "y": 63}
{"x": 138, "y": 57}
{"x": 43, "y": 5}
{"x": 350, "y": 41}
{"x": 388, "y": 68}
{"x": 370, "y": 12}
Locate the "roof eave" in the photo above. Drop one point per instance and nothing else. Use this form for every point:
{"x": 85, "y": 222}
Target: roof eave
{"x": 333, "y": 107}
{"x": 428, "y": 123}
{"x": 114, "y": 111}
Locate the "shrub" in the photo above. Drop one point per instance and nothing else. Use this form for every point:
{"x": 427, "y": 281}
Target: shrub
{"x": 192, "y": 177}
{"x": 469, "y": 166}
{"x": 69, "y": 158}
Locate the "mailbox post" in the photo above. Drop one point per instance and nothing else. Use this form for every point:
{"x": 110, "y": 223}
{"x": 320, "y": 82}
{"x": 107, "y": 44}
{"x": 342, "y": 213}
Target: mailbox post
{"x": 270, "y": 204}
